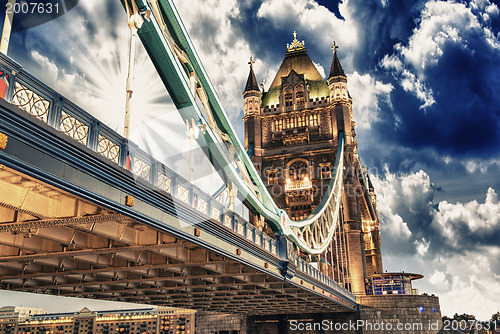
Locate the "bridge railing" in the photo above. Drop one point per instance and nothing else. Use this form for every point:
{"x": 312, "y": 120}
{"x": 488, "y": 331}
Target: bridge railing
{"x": 20, "y": 88}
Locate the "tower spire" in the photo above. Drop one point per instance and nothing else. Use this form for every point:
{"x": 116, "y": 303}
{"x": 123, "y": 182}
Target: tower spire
{"x": 336, "y": 69}
{"x": 252, "y": 80}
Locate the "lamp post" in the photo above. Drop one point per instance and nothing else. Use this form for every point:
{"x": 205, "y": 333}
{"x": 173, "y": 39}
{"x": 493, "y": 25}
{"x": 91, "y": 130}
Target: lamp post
{"x": 7, "y": 27}
{"x": 135, "y": 22}
{"x": 192, "y": 132}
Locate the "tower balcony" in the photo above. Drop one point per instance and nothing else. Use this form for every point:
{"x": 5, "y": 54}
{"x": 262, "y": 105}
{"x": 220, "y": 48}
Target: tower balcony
{"x": 298, "y": 185}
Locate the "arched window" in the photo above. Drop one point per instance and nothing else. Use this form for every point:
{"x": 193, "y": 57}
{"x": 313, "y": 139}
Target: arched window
{"x": 298, "y": 170}
{"x": 326, "y": 170}
{"x": 337, "y": 92}
{"x": 288, "y": 99}
{"x": 301, "y": 120}
{"x": 313, "y": 120}
{"x": 299, "y": 97}
{"x": 272, "y": 176}
{"x": 278, "y": 124}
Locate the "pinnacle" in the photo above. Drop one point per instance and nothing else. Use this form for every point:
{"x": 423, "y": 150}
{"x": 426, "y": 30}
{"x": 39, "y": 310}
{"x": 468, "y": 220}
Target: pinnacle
{"x": 336, "y": 68}
{"x": 252, "y": 80}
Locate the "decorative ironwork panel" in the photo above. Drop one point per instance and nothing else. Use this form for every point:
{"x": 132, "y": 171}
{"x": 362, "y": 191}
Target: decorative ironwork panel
{"x": 108, "y": 149}
{"x": 202, "y": 206}
{"x": 31, "y": 102}
{"x": 183, "y": 194}
{"x": 249, "y": 234}
{"x": 164, "y": 183}
{"x": 227, "y": 221}
{"x": 142, "y": 169}
{"x": 273, "y": 248}
{"x": 215, "y": 214}
{"x": 241, "y": 230}
{"x": 3, "y": 140}
{"x": 257, "y": 239}
{"x": 74, "y": 128}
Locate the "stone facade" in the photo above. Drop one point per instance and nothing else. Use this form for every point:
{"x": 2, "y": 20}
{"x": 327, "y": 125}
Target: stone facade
{"x": 293, "y": 130}
{"x": 416, "y": 313}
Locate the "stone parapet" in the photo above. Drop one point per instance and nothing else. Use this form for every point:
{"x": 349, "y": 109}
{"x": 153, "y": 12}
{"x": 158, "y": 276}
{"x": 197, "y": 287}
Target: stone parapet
{"x": 400, "y": 313}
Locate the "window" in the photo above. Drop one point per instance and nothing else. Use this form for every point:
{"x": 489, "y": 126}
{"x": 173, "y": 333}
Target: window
{"x": 301, "y": 121}
{"x": 313, "y": 120}
{"x": 272, "y": 176}
{"x": 337, "y": 92}
{"x": 298, "y": 170}
{"x": 288, "y": 99}
{"x": 278, "y": 124}
{"x": 299, "y": 97}
{"x": 326, "y": 170}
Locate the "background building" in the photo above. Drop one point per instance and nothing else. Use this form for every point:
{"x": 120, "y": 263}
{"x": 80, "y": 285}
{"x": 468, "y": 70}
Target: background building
{"x": 161, "y": 320}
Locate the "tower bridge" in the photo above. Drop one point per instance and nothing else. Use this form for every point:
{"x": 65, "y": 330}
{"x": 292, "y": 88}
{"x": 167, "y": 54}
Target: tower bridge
{"x": 77, "y": 221}
{"x": 84, "y": 212}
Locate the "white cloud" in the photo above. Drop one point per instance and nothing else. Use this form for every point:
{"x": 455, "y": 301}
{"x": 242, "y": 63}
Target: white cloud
{"x": 440, "y": 23}
{"x": 417, "y": 191}
{"x": 464, "y": 283}
{"x": 395, "y": 226}
{"x": 321, "y": 70}
{"x": 412, "y": 191}
{"x": 438, "y": 279}
{"x": 92, "y": 66}
{"x": 422, "y": 246}
{"x": 312, "y": 19}
{"x": 473, "y": 166}
{"x": 52, "y": 72}
{"x": 367, "y": 92}
{"x": 478, "y": 217}
{"x": 390, "y": 194}
{"x": 408, "y": 80}
{"x": 470, "y": 285}
{"x": 453, "y": 242}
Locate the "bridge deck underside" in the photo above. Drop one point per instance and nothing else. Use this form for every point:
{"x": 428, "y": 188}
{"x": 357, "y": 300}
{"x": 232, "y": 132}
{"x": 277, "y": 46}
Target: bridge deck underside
{"x": 52, "y": 242}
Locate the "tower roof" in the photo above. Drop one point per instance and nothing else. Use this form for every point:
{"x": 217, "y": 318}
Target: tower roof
{"x": 336, "y": 69}
{"x": 252, "y": 80}
{"x": 296, "y": 59}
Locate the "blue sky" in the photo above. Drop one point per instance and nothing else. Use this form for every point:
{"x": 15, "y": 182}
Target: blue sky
{"x": 425, "y": 80}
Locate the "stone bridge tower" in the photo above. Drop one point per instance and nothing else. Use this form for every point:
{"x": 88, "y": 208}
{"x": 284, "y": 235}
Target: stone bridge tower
{"x": 292, "y": 130}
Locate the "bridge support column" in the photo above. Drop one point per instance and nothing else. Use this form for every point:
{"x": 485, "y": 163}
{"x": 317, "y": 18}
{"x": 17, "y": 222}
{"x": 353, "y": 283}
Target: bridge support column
{"x": 356, "y": 263}
{"x": 355, "y": 243}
